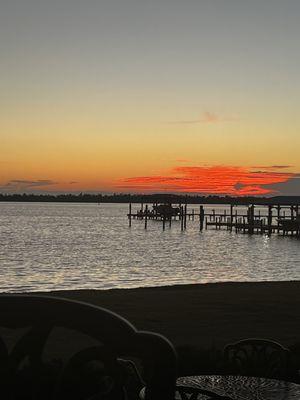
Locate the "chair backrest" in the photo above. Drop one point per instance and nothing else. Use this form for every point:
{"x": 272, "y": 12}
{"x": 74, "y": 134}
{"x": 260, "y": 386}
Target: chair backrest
{"x": 90, "y": 373}
{"x": 257, "y": 357}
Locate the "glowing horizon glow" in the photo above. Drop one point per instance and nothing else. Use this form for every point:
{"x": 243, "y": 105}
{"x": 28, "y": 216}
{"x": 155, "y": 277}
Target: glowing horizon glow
{"x": 224, "y": 180}
{"x": 203, "y": 180}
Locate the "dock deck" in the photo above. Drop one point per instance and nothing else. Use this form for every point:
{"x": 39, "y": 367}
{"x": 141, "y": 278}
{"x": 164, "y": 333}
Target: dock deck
{"x": 285, "y": 223}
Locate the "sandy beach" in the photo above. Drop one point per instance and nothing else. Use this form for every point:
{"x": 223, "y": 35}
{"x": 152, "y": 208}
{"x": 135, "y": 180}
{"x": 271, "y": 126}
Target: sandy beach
{"x": 206, "y": 315}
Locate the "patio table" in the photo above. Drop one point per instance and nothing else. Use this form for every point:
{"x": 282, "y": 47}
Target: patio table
{"x": 235, "y": 387}
{"x": 240, "y": 387}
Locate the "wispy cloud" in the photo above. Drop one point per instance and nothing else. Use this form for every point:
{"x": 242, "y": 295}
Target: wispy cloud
{"x": 19, "y": 185}
{"x": 182, "y": 160}
{"x": 221, "y": 180}
{"x": 207, "y": 117}
{"x": 266, "y": 167}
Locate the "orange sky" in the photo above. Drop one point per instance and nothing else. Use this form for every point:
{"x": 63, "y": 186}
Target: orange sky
{"x": 163, "y": 96}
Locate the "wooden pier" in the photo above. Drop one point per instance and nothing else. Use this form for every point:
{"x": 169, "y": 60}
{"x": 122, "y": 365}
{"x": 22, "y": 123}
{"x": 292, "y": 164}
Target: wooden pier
{"x": 285, "y": 220}
{"x": 167, "y": 213}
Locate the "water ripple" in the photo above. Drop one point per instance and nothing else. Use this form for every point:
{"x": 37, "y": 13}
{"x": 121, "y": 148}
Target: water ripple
{"x": 47, "y": 246}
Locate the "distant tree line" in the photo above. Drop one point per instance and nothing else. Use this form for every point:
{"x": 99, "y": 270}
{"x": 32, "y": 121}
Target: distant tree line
{"x": 147, "y": 198}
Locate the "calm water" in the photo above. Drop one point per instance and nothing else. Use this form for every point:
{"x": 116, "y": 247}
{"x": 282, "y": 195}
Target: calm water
{"x": 72, "y": 246}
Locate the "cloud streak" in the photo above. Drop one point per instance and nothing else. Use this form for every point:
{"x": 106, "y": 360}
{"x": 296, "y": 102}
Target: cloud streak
{"x": 206, "y": 118}
{"x": 19, "y": 185}
{"x": 267, "y": 167}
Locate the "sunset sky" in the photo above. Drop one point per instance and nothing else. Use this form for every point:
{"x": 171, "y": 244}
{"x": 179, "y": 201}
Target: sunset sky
{"x": 194, "y": 96}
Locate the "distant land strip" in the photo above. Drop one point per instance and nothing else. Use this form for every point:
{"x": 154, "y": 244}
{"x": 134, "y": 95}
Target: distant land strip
{"x": 148, "y": 198}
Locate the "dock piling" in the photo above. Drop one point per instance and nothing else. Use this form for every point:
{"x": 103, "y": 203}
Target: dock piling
{"x": 185, "y": 214}
{"x": 164, "y": 222}
{"x": 201, "y": 218}
{"x": 146, "y": 215}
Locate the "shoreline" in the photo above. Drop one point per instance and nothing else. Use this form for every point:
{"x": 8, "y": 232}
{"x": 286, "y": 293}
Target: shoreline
{"x": 136, "y": 198}
{"x": 205, "y": 315}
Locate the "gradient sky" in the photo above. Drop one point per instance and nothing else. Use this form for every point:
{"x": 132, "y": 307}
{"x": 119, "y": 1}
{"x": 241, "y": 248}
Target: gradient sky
{"x": 144, "y": 96}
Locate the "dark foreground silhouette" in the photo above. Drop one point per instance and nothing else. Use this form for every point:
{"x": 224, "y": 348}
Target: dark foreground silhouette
{"x": 92, "y": 370}
{"x": 54, "y": 348}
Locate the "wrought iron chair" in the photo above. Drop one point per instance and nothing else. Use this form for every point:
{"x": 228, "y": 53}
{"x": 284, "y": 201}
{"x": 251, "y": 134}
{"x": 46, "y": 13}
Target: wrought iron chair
{"x": 134, "y": 382}
{"x": 93, "y": 372}
{"x": 257, "y": 357}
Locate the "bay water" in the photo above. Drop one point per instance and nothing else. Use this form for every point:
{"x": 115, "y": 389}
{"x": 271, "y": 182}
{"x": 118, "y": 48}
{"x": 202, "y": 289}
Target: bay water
{"x": 67, "y": 246}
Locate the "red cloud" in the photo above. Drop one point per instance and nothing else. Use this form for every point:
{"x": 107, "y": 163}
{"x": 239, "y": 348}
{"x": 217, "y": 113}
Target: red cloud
{"x": 209, "y": 180}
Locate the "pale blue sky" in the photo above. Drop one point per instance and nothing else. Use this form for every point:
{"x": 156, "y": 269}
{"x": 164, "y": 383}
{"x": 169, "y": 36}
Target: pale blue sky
{"x": 217, "y": 46}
